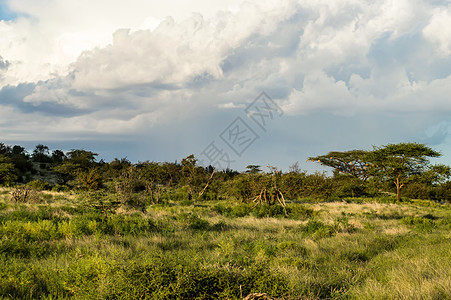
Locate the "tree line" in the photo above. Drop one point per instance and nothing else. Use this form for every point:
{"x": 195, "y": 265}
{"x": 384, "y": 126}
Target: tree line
{"x": 403, "y": 169}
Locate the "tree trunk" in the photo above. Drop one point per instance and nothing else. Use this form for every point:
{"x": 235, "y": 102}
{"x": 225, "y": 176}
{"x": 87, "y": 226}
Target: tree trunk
{"x": 398, "y": 188}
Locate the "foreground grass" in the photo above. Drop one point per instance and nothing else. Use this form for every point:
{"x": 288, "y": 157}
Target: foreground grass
{"x": 219, "y": 250}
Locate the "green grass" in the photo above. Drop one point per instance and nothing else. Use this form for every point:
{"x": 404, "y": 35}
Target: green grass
{"x": 224, "y": 250}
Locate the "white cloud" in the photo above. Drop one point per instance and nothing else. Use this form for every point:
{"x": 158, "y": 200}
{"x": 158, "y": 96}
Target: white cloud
{"x": 126, "y": 67}
{"x": 438, "y": 31}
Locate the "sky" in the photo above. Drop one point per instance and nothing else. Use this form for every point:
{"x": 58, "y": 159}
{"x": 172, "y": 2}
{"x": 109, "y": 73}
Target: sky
{"x": 232, "y": 82}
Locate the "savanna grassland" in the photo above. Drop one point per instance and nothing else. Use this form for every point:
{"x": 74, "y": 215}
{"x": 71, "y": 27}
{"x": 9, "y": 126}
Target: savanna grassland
{"x": 63, "y": 245}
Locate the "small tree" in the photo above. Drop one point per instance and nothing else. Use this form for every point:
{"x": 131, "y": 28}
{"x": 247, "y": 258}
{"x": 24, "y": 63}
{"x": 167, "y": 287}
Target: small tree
{"x": 253, "y": 169}
{"x": 90, "y": 180}
{"x": 7, "y": 170}
{"x": 77, "y": 161}
{"x": 58, "y": 156}
{"x": 41, "y": 154}
{"x": 196, "y": 178}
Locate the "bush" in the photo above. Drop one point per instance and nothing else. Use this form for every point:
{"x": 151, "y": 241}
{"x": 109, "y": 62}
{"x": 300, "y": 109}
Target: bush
{"x": 39, "y": 185}
{"x": 264, "y": 211}
{"x": 172, "y": 279}
{"x": 25, "y": 194}
{"x": 415, "y": 191}
{"x": 60, "y": 188}
{"x": 425, "y": 223}
{"x": 194, "y": 221}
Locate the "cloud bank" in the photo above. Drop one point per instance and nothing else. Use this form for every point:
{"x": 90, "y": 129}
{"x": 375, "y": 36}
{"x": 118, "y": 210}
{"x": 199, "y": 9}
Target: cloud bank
{"x": 116, "y": 75}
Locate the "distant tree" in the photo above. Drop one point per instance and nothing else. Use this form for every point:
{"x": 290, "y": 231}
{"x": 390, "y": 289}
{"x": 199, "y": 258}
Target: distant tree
{"x": 355, "y": 162}
{"x": 82, "y": 159}
{"x": 189, "y": 173}
{"x": 197, "y": 179}
{"x": 18, "y": 150}
{"x": 77, "y": 161}
{"x": 403, "y": 163}
{"x": 253, "y": 169}
{"x": 41, "y": 154}
{"x": 172, "y": 173}
{"x": 5, "y": 149}
{"x": 21, "y": 161}
{"x": 153, "y": 175}
{"x": 294, "y": 168}
{"x": 399, "y": 164}
{"x": 435, "y": 175}
{"x": 58, "y": 156}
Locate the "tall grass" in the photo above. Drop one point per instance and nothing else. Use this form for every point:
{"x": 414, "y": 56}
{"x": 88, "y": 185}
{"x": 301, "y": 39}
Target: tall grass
{"x": 222, "y": 250}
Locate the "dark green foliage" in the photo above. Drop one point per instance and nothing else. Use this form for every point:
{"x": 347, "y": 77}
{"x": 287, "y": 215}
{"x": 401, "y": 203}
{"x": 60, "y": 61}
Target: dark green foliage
{"x": 170, "y": 279}
{"x": 7, "y": 171}
{"x": 416, "y": 191}
{"x": 262, "y": 211}
{"x": 424, "y": 223}
{"x": 319, "y": 230}
{"x": 41, "y": 154}
{"x": 101, "y": 202}
{"x": 39, "y": 185}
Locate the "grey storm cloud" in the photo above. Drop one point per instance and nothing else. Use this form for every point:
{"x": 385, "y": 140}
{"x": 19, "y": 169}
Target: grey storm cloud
{"x": 342, "y": 71}
{"x": 13, "y": 96}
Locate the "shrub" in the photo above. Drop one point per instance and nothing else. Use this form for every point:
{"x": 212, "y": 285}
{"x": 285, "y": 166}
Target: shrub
{"x": 25, "y": 194}
{"x": 425, "y": 223}
{"x": 39, "y": 185}
{"x": 172, "y": 279}
{"x": 415, "y": 191}
{"x": 60, "y": 188}
{"x": 101, "y": 201}
{"x": 194, "y": 221}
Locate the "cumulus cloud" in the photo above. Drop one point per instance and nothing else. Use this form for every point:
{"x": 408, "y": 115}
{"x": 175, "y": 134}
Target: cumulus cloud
{"x": 4, "y": 64}
{"x": 119, "y": 73}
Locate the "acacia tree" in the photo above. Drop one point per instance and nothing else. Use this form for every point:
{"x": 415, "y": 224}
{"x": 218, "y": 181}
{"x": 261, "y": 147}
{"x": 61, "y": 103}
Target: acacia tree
{"x": 354, "y": 162}
{"x": 402, "y": 163}
{"x": 398, "y": 163}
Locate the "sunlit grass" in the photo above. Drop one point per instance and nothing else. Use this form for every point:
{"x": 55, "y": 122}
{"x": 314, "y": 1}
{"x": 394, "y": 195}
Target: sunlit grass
{"x": 338, "y": 250}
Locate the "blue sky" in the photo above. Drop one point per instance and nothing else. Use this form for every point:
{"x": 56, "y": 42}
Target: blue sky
{"x": 4, "y": 14}
{"x": 165, "y": 80}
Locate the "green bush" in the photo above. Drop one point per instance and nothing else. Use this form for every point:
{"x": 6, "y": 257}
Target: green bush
{"x": 263, "y": 211}
{"x": 60, "y": 188}
{"x": 39, "y": 185}
{"x": 194, "y": 221}
{"x": 171, "y": 279}
{"x": 424, "y": 223}
{"x": 415, "y": 191}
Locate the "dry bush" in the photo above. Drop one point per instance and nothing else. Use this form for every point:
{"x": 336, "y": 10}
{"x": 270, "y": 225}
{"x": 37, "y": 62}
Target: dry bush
{"x": 24, "y": 194}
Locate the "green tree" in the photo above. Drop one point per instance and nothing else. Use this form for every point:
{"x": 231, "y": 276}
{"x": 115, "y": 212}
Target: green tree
{"x": 90, "y": 180}
{"x": 189, "y": 174}
{"x": 197, "y": 179}
{"x": 7, "y": 170}
{"x": 399, "y": 164}
{"x": 21, "y": 161}
{"x": 77, "y": 161}
{"x": 355, "y": 162}
{"x": 253, "y": 169}
{"x": 58, "y": 156}
{"x": 402, "y": 163}
{"x": 41, "y": 154}
{"x": 5, "y": 149}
